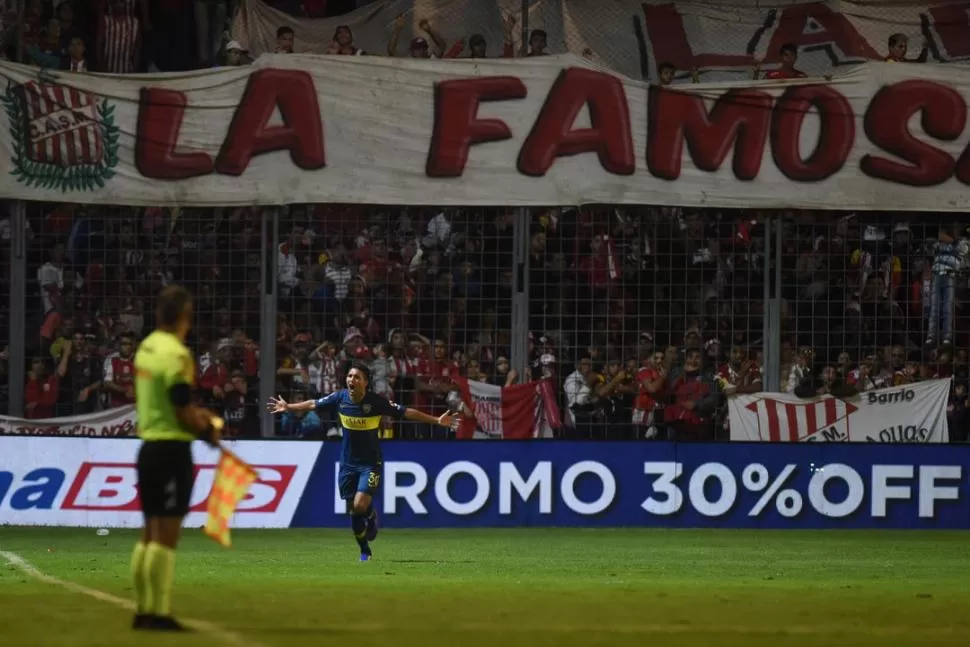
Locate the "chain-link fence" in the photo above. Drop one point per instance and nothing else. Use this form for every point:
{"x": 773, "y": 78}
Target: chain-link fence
{"x": 636, "y": 315}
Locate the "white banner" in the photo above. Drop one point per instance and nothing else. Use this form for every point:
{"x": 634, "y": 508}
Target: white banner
{"x": 91, "y": 482}
{"x": 913, "y": 413}
{"x": 519, "y": 411}
{"x": 112, "y": 422}
{"x": 721, "y": 39}
{"x": 535, "y": 132}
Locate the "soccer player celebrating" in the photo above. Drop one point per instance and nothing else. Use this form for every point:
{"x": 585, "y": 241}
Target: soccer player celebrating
{"x": 168, "y": 422}
{"x": 360, "y": 411}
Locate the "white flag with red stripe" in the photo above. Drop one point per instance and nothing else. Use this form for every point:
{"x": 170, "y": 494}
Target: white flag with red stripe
{"x": 912, "y": 413}
{"x": 518, "y": 411}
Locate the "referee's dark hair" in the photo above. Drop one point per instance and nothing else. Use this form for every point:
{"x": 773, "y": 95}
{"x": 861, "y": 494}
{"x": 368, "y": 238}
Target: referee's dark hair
{"x": 172, "y": 302}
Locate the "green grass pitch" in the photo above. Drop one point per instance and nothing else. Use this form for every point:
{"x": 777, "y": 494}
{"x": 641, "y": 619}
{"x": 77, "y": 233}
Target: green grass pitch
{"x": 508, "y": 587}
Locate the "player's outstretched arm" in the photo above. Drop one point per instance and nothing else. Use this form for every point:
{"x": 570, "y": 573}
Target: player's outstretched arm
{"x": 279, "y": 405}
{"x": 447, "y": 419}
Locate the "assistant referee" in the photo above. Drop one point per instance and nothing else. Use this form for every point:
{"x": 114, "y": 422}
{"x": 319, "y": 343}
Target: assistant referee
{"x": 168, "y": 422}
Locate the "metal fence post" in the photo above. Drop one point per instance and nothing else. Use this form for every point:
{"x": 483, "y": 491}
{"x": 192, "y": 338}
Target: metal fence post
{"x": 267, "y": 316}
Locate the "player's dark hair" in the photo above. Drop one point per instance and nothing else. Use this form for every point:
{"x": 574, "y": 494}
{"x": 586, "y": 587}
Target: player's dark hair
{"x": 363, "y": 368}
{"x": 789, "y": 47}
{"x": 283, "y": 31}
{"x": 172, "y": 302}
{"x": 666, "y": 66}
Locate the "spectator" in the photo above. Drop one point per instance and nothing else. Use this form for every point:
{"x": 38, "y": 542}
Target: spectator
{"x": 119, "y": 373}
{"x": 50, "y": 278}
{"x": 667, "y": 73}
{"x": 537, "y": 43}
{"x": 301, "y": 424}
{"x": 695, "y": 399}
{"x": 284, "y": 40}
{"x": 343, "y": 43}
{"x": 898, "y": 45}
{"x": 75, "y": 60}
{"x": 120, "y": 35}
{"x": 235, "y": 54}
{"x": 419, "y": 45}
{"x": 652, "y": 382}
{"x": 616, "y": 394}
{"x": 958, "y": 415}
{"x": 580, "y": 399}
{"x": 80, "y": 388}
{"x": 825, "y": 382}
{"x": 240, "y": 406}
{"x": 787, "y": 70}
{"x": 42, "y": 388}
{"x": 949, "y": 258}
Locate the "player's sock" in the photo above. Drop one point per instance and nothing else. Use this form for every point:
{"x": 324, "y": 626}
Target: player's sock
{"x": 358, "y": 522}
{"x": 160, "y": 562}
{"x": 140, "y": 578}
{"x": 372, "y": 525}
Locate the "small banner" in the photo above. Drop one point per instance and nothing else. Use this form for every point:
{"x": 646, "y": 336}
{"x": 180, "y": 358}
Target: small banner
{"x": 232, "y": 480}
{"x": 112, "y": 423}
{"x": 911, "y": 413}
{"x": 519, "y": 411}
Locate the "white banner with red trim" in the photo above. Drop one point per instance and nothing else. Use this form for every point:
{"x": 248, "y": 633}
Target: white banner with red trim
{"x": 911, "y": 413}
{"x": 119, "y": 422}
{"x": 519, "y": 411}
{"x": 542, "y": 131}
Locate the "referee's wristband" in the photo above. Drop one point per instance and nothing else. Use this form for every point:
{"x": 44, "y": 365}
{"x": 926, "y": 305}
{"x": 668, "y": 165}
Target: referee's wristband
{"x": 215, "y": 426}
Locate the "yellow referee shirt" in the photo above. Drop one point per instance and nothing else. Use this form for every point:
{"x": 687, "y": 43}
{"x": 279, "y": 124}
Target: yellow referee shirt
{"x": 161, "y": 362}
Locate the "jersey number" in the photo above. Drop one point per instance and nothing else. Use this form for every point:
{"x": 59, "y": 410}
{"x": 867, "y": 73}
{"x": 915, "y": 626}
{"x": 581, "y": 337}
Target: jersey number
{"x": 373, "y": 479}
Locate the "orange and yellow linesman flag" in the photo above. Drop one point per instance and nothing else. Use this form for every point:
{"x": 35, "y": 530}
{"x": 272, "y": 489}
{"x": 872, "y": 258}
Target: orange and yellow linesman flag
{"x": 232, "y": 480}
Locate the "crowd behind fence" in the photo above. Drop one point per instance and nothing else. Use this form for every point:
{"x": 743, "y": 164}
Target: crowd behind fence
{"x": 645, "y": 319}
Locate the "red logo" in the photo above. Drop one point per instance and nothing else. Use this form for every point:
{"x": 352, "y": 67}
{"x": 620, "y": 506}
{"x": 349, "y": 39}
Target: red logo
{"x": 114, "y": 487}
{"x": 787, "y": 421}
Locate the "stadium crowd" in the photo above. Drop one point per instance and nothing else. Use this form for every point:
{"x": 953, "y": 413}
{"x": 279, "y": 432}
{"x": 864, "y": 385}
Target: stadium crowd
{"x": 646, "y": 319}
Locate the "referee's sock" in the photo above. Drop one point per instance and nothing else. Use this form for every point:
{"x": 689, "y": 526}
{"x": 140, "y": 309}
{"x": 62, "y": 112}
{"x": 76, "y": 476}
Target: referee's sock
{"x": 160, "y": 568}
{"x": 140, "y": 578}
{"x": 358, "y": 523}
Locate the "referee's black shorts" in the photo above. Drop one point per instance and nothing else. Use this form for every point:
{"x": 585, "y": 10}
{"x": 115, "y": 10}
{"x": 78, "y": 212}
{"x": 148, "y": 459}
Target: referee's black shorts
{"x": 165, "y": 477}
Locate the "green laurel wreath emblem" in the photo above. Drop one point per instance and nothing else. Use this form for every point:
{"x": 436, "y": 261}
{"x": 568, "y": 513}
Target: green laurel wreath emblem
{"x": 78, "y": 177}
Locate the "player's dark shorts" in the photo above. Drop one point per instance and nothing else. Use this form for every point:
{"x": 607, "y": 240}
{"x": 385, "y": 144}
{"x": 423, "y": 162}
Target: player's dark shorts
{"x": 165, "y": 477}
{"x": 352, "y": 479}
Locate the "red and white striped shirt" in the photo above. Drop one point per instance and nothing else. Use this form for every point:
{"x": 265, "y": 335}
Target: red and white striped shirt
{"x": 120, "y": 30}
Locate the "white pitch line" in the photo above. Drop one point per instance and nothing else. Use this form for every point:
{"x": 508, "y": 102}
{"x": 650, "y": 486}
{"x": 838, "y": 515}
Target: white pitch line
{"x": 202, "y": 626}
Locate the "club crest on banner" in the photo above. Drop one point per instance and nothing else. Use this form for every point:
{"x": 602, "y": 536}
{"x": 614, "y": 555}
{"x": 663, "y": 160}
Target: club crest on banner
{"x": 63, "y": 138}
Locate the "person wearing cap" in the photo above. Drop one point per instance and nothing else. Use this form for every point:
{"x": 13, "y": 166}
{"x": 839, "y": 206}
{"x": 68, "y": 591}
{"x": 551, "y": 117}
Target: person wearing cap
{"x": 420, "y": 48}
{"x": 235, "y": 54}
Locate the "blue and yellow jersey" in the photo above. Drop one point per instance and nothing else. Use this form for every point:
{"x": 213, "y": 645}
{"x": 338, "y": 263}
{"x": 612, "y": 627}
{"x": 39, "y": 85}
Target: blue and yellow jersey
{"x": 361, "y": 423}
